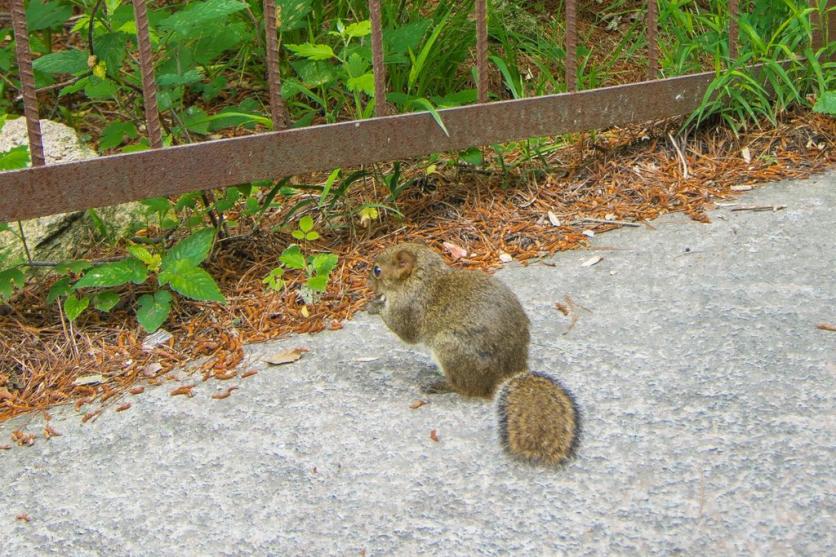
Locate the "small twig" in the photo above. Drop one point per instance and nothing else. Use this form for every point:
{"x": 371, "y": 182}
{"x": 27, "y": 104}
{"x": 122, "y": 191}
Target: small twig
{"x": 826, "y": 327}
{"x": 56, "y": 263}
{"x": 90, "y": 26}
{"x": 605, "y": 221}
{"x": 50, "y": 87}
{"x": 23, "y": 240}
{"x": 681, "y": 157}
{"x": 772, "y": 208}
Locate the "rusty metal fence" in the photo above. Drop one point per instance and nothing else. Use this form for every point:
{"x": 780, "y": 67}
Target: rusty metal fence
{"x": 46, "y": 189}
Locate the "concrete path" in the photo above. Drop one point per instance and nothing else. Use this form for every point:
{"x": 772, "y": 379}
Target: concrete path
{"x": 708, "y": 395}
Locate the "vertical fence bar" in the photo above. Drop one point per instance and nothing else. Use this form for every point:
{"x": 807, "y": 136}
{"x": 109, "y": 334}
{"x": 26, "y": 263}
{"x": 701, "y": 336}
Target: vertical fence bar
{"x": 652, "y": 49}
{"x": 482, "y": 50}
{"x": 149, "y": 85}
{"x": 571, "y": 44}
{"x": 380, "y": 106}
{"x": 27, "y": 83}
{"x": 278, "y": 110}
{"x": 732, "y": 29}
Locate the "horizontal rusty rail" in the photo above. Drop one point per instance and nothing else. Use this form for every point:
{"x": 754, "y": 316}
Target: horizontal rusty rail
{"x": 120, "y": 178}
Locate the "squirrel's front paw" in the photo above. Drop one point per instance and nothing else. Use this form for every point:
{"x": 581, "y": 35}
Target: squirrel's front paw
{"x": 437, "y": 387}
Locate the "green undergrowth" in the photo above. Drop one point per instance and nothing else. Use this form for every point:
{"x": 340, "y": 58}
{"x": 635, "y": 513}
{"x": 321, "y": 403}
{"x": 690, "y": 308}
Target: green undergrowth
{"x": 210, "y": 69}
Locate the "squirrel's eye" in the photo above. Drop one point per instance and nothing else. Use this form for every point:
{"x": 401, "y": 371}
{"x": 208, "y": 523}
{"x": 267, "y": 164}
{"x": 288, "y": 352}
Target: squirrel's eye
{"x": 376, "y": 271}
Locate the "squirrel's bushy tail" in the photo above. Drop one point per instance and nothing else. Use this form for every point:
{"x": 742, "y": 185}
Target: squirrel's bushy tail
{"x": 538, "y": 418}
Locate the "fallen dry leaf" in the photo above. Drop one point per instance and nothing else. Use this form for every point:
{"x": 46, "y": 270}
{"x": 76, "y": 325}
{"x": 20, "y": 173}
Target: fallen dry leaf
{"x": 151, "y": 369}
{"x": 305, "y": 312}
{"x": 225, "y": 376}
{"x": 183, "y": 390}
{"x": 155, "y": 339}
{"x": 5, "y": 447}
{"x": 335, "y": 325}
{"x": 746, "y": 154}
{"x": 592, "y": 261}
{"x": 224, "y": 394}
{"x": 23, "y": 439}
{"x": 553, "y": 219}
{"x": 286, "y": 356}
{"x": 93, "y": 379}
{"x": 826, "y": 327}
{"x": 505, "y": 257}
{"x": 248, "y": 374}
{"x": 137, "y": 390}
{"x": 457, "y": 252}
{"x": 434, "y": 435}
{"x": 123, "y": 407}
{"x": 23, "y": 517}
{"x": 50, "y": 432}
{"x": 589, "y": 233}
{"x": 418, "y": 404}
{"x": 741, "y": 188}
{"x": 562, "y": 308}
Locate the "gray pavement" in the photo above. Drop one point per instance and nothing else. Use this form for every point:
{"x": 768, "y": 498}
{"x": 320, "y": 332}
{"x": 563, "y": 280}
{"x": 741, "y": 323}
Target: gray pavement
{"x": 707, "y": 392}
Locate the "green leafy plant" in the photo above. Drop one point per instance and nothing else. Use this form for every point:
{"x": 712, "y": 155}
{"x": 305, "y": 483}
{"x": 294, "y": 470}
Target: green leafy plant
{"x": 176, "y": 269}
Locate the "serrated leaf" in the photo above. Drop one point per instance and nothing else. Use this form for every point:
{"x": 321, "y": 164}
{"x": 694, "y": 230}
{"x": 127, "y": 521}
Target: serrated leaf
{"x": 152, "y": 309}
{"x": 74, "y": 306}
{"x": 17, "y": 157}
{"x": 306, "y": 223}
{"x": 312, "y": 51}
{"x": 64, "y": 61}
{"x": 97, "y": 88}
{"x": 75, "y": 266}
{"x": 826, "y": 103}
{"x": 292, "y": 257}
{"x": 45, "y": 14}
{"x": 292, "y": 14}
{"x": 359, "y": 29}
{"x": 198, "y": 14}
{"x": 60, "y": 288}
{"x": 105, "y": 301}
{"x": 117, "y": 133}
{"x": 274, "y": 279}
{"x": 114, "y": 274}
{"x": 324, "y": 263}
{"x": 318, "y": 283}
{"x": 193, "y": 249}
{"x": 472, "y": 156}
{"x": 9, "y": 280}
{"x": 363, "y": 84}
{"x": 195, "y": 283}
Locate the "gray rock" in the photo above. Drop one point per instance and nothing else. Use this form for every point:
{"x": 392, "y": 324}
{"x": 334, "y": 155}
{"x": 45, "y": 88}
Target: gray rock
{"x": 707, "y": 393}
{"x": 67, "y": 234}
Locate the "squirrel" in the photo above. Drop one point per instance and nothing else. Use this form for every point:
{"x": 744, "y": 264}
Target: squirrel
{"x": 478, "y": 334}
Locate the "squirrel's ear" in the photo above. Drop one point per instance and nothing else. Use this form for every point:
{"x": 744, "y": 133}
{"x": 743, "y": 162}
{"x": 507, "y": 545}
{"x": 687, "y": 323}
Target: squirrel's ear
{"x": 405, "y": 263}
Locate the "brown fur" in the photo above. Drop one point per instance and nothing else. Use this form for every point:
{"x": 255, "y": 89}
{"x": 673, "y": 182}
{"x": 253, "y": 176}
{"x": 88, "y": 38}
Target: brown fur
{"x": 478, "y": 333}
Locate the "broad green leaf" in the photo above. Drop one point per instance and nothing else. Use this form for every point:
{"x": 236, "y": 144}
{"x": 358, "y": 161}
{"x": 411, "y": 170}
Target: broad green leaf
{"x": 427, "y": 105}
{"x": 306, "y": 223}
{"x": 318, "y": 283}
{"x": 362, "y": 84}
{"x": 153, "y": 309}
{"x": 151, "y": 260}
{"x": 274, "y": 279}
{"x": 472, "y": 156}
{"x": 292, "y": 14}
{"x": 4, "y": 227}
{"x": 61, "y": 287}
{"x": 75, "y": 266}
{"x": 194, "y": 249}
{"x": 194, "y": 282}
{"x": 98, "y": 88}
{"x": 117, "y": 133}
{"x": 157, "y": 205}
{"x": 174, "y": 80}
{"x": 359, "y": 29}
{"x": 9, "y": 280}
{"x": 312, "y": 235}
{"x": 74, "y": 306}
{"x": 64, "y": 61}
{"x": 197, "y": 14}
{"x": 298, "y": 234}
{"x": 228, "y": 201}
{"x": 105, "y": 301}
{"x": 292, "y": 257}
{"x": 324, "y": 263}
{"x": 17, "y": 157}
{"x": 826, "y": 103}
{"x": 45, "y": 14}
{"x": 312, "y": 51}
{"x": 114, "y": 274}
